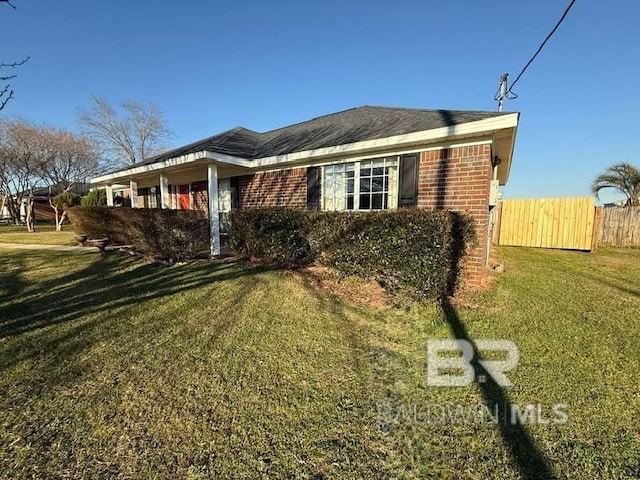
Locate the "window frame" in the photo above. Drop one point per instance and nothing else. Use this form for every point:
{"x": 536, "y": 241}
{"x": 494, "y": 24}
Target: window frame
{"x": 390, "y": 185}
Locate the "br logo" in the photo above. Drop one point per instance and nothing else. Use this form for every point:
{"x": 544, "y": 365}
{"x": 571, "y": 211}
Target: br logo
{"x": 440, "y": 367}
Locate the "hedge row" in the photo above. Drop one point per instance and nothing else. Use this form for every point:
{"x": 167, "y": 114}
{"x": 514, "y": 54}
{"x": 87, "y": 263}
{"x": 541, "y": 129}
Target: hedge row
{"x": 168, "y": 234}
{"x": 417, "y": 252}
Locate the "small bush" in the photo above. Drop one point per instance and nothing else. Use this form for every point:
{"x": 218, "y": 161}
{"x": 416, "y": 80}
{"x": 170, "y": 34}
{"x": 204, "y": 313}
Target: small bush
{"x": 168, "y": 234}
{"x": 95, "y": 198}
{"x": 66, "y": 200}
{"x": 417, "y": 252}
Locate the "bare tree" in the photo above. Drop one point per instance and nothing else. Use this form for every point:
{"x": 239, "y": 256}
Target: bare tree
{"x": 128, "y": 136}
{"x": 34, "y": 156}
{"x": 6, "y": 92}
{"x": 65, "y": 161}
{"x": 20, "y": 143}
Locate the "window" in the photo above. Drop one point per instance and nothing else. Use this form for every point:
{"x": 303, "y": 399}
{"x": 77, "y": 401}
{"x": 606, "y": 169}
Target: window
{"x": 375, "y": 183}
{"x": 338, "y": 187}
{"x": 150, "y": 196}
{"x": 366, "y": 185}
{"x": 152, "y": 199}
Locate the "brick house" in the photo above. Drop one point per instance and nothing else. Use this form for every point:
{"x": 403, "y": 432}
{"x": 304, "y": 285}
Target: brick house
{"x": 366, "y": 158}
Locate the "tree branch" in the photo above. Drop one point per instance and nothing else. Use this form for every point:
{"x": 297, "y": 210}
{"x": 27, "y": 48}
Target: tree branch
{"x": 3, "y": 92}
{"x": 14, "y": 64}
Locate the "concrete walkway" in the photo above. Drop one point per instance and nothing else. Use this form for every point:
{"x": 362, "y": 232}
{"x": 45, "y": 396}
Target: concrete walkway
{"x": 57, "y": 248}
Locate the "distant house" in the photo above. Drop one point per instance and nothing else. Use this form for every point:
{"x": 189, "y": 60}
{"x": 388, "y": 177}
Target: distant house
{"x": 367, "y": 158}
{"x": 41, "y": 207}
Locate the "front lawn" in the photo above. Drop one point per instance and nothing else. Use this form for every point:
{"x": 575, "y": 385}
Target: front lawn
{"x": 109, "y": 367}
{"x": 45, "y": 234}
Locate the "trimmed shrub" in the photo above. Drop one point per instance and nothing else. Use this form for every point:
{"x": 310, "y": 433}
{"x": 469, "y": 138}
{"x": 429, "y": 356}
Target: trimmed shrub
{"x": 95, "y": 198}
{"x": 168, "y": 234}
{"x": 415, "y": 252}
{"x": 276, "y": 236}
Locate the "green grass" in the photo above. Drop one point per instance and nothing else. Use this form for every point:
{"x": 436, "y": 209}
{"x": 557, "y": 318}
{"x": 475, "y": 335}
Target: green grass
{"x": 110, "y": 368}
{"x": 45, "y": 234}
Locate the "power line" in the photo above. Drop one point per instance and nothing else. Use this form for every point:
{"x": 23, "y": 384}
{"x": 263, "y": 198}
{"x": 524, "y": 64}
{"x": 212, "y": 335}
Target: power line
{"x": 564, "y": 15}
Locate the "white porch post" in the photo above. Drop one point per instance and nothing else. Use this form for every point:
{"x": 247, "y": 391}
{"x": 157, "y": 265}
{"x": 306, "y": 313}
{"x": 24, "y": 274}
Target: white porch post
{"x": 214, "y": 217}
{"x": 164, "y": 191}
{"x": 109, "y": 191}
{"x": 133, "y": 195}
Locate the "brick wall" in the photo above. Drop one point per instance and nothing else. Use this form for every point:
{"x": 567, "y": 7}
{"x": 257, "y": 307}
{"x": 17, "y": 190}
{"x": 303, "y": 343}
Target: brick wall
{"x": 284, "y": 188}
{"x": 459, "y": 179}
{"x": 200, "y": 193}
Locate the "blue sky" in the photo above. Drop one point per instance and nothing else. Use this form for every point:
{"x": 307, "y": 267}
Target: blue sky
{"x": 211, "y": 66}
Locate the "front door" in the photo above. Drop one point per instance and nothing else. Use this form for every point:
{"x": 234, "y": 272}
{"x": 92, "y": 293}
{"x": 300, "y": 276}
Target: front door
{"x": 184, "y": 200}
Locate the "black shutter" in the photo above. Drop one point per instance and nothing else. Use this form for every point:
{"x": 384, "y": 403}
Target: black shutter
{"x": 313, "y": 188}
{"x": 408, "y": 191}
{"x": 235, "y": 193}
{"x": 158, "y": 197}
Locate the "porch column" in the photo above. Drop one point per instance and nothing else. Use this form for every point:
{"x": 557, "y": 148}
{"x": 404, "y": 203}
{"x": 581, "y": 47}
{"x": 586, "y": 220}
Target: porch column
{"x": 133, "y": 195}
{"x": 164, "y": 191}
{"x": 109, "y": 192}
{"x": 214, "y": 217}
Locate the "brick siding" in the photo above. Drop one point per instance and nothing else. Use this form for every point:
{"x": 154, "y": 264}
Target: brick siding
{"x": 283, "y": 188}
{"x": 459, "y": 179}
{"x": 200, "y": 193}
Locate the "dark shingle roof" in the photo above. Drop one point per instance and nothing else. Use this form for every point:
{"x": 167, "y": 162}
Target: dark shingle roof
{"x": 360, "y": 124}
{"x": 348, "y": 126}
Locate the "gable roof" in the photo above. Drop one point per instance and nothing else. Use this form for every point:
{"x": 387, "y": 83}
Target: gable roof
{"x": 349, "y": 126}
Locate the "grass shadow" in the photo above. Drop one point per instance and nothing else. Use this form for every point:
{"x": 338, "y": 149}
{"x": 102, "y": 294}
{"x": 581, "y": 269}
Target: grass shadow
{"x": 530, "y": 461}
{"x": 108, "y": 285}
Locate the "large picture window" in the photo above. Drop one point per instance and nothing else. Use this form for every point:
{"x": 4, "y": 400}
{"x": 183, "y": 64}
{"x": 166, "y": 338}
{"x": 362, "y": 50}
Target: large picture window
{"x": 366, "y": 185}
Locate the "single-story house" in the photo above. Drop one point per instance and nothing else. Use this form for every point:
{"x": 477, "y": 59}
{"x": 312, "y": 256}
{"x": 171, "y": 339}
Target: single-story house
{"x": 366, "y": 158}
{"x": 41, "y": 207}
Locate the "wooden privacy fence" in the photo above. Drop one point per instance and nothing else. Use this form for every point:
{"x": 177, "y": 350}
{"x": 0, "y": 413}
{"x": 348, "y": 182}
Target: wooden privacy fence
{"x": 620, "y": 227}
{"x": 566, "y": 223}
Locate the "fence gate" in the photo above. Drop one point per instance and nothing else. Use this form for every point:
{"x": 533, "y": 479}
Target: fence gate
{"x": 566, "y": 223}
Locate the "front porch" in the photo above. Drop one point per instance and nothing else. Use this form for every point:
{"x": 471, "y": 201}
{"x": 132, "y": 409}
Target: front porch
{"x": 207, "y": 187}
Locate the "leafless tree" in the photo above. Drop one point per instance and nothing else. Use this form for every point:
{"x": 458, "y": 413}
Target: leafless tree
{"x": 128, "y": 136}
{"x": 66, "y": 161}
{"x": 20, "y": 143}
{"x": 6, "y": 92}
{"x": 33, "y": 156}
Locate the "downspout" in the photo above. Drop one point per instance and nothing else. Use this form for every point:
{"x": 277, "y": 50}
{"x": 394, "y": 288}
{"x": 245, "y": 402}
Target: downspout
{"x": 492, "y": 211}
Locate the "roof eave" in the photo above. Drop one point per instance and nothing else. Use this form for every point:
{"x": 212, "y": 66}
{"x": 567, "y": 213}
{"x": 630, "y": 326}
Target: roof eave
{"x": 466, "y": 130}
{"x": 470, "y": 129}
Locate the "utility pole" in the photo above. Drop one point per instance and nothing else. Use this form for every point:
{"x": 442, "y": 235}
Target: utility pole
{"x": 501, "y": 95}
{"x": 502, "y": 90}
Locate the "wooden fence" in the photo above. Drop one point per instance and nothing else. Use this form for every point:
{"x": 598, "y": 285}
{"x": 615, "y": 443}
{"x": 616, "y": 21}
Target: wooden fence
{"x": 620, "y": 227}
{"x": 566, "y": 223}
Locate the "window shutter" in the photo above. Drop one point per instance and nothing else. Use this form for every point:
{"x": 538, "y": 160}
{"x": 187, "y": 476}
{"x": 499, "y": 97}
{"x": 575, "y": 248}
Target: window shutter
{"x": 408, "y": 194}
{"x": 313, "y": 188}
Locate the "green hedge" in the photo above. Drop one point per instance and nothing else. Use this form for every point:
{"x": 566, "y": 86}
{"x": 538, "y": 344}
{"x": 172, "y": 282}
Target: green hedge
{"x": 95, "y": 198}
{"x": 416, "y": 252}
{"x": 168, "y": 234}
{"x": 275, "y": 236}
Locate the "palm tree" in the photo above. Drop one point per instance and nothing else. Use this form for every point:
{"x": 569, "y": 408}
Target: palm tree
{"x": 625, "y": 178}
